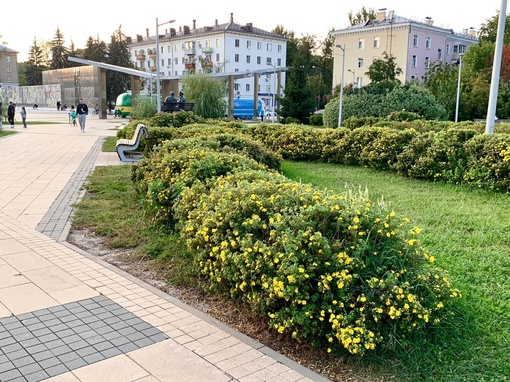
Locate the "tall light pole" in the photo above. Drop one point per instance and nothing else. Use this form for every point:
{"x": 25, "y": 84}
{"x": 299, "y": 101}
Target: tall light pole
{"x": 458, "y": 89}
{"x": 353, "y": 76}
{"x": 341, "y": 85}
{"x": 274, "y": 88}
{"x": 158, "y": 88}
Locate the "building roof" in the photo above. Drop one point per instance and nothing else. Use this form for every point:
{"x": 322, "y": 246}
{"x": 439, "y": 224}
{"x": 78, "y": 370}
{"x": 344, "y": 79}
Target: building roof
{"x": 194, "y": 32}
{"x": 383, "y": 20}
{"x": 6, "y": 49}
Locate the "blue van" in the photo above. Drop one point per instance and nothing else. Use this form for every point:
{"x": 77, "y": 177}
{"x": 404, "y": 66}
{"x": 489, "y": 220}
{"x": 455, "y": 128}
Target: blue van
{"x": 243, "y": 108}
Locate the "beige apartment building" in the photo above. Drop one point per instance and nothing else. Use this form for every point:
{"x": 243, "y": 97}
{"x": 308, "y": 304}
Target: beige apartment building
{"x": 8, "y": 68}
{"x": 414, "y": 44}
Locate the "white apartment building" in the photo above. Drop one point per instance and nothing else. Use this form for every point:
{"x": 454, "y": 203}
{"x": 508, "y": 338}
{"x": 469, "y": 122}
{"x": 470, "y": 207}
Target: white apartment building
{"x": 8, "y": 68}
{"x": 228, "y": 48}
{"x": 414, "y": 44}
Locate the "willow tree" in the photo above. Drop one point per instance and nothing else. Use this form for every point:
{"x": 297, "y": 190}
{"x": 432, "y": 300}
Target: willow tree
{"x": 207, "y": 93}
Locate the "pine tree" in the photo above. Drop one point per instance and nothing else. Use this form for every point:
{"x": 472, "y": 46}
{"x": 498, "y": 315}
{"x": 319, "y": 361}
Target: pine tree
{"x": 118, "y": 54}
{"x": 59, "y": 52}
{"x": 35, "y": 65}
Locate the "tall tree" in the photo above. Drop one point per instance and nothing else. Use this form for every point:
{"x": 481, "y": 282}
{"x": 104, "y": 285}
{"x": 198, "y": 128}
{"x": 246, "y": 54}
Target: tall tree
{"x": 489, "y": 30}
{"x": 95, "y": 50}
{"x": 118, "y": 54}
{"x": 35, "y": 65}
{"x": 59, "y": 52}
{"x": 362, "y": 16}
{"x": 299, "y": 100}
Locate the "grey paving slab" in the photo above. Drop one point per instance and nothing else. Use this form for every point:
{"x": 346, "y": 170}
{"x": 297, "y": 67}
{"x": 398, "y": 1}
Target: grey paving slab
{"x": 64, "y": 346}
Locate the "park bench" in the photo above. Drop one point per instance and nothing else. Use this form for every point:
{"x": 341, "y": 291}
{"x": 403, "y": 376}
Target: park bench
{"x": 131, "y": 145}
{"x": 170, "y": 107}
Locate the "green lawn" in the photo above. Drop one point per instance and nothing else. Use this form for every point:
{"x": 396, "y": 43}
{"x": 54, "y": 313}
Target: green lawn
{"x": 468, "y": 231}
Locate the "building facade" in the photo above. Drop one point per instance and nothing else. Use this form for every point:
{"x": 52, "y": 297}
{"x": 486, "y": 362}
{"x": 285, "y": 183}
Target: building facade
{"x": 415, "y": 46}
{"x": 8, "y": 70}
{"x": 218, "y": 48}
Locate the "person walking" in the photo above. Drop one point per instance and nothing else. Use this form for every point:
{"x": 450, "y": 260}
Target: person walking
{"x": 11, "y": 111}
{"x": 82, "y": 110}
{"x": 23, "y": 113}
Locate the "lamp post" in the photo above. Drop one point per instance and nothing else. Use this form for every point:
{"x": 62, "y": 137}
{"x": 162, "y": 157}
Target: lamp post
{"x": 458, "y": 89}
{"x": 274, "y": 88}
{"x": 353, "y": 76}
{"x": 341, "y": 85}
{"x": 158, "y": 88}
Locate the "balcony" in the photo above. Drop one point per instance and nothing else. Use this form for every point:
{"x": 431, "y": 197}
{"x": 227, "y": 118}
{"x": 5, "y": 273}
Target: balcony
{"x": 189, "y": 66}
{"x": 207, "y": 50}
{"x": 152, "y": 54}
{"x": 140, "y": 57}
{"x": 190, "y": 51}
{"x": 153, "y": 68}
{"x": 207, "y": 64}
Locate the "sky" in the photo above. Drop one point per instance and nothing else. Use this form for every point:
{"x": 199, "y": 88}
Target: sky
{"x": 78, "y": 21}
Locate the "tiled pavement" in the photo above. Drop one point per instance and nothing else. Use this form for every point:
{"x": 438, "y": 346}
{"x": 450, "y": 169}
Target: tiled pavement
{"x": 67, "y": 316}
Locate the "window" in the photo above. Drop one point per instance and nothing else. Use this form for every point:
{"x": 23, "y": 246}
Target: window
{"x": 415, "y": 41}
{"x": 9, "y": 79}
{"x": 415, "y": 61}
{"x": 247, "y": 87}
{"x": 8, "y": 68}
{"x": 248, "y": 44}
{"x": 236, "y": 58}
{"x": 208, "y": 44}
{"x": 189, "y": 45}
{"x": 217, "y": 57}
{"x": 259, "y": 45}
{"x": 455, "y": 49}
{"x": 176, "y": 60}
{"x": 439, "y": 54}
{"x": 248, "y": 59}
{"x": 447, "y": 49}
{"x": 377, "y": 42}
{"x": 361, "y": 43}
{"x": 427, "y": 62}
{"x": 279, "y": 62}
{"x": 360, "y": 62}
{"x": 268, "y": 61}
{"x": 169, "y": 49}
{"x": 236, "y": 43}
{"x": 428, "y": 43}
{"x": 236, "y": 86}
{"x": 169, "y": 61}
{"x": 359, "y": 82}
{"x": 279, "y": 48}
{"x": 269, "y": 47}
{"x": 218, "y": 42}
{"x": 7, "y": 59}
{"x": 259, "y": 60}
{"x": 176, "y": 47}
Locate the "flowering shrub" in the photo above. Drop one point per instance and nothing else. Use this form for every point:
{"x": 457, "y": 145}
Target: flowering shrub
{"x": 333, "y": 270}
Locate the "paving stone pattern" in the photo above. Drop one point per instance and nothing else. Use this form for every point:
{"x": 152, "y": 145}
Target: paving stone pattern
{"x": 47, "y": 342}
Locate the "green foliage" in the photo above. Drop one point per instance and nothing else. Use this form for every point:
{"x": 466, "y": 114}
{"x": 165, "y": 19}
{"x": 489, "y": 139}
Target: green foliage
{"x": 291, "y": 120}
{"x": 336, "y": 271}
{"x": 403, "y": 116}
{"x": 207, "y": 93}
{"x": 316, "y": 120}
{"x": 384, "y": 69}
{"x": 143, "y": 107}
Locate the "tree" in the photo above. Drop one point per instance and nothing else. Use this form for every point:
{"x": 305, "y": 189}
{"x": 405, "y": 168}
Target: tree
{"x": 384, "y": 69}
{"x": 207, "y": 93}
{"x": 362, "y": 16}
{"x": 118, "y": 54}
{"x": 489, "y": 31}
{"x": 95, "y": 50}
{"x": 441, "y": 80}
{"x": 59, "y": 52}
{"x": 35, "y": 65}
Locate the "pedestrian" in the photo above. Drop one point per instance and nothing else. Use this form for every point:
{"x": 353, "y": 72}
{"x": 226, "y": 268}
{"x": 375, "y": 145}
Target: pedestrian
{"x": 82, "y": 111}
{"x": 58, "y": 105}
{"x": 1, "y": 115}
{"x": 23, "y": 113}
{"x": 11, "y": 111}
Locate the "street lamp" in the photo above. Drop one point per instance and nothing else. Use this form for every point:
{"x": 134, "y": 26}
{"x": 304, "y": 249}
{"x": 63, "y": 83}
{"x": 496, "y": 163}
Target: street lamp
{"x": 341, "y": 85}
{"x": 458, "y": 89}
{"x": 353, "y": 76}
{"x": 274, "y": 88}
{"x": 158, "y": 89}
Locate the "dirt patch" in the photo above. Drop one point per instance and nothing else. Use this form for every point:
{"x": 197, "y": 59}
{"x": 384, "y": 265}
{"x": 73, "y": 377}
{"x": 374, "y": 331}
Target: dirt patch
{"x": 224, "y": 310}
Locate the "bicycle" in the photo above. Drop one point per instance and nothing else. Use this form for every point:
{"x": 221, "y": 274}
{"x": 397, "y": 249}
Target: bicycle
{"x": 95, "y": 112}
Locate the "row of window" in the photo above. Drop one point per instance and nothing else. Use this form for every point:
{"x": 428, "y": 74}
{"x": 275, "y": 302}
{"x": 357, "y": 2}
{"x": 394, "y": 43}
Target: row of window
{"x": 208, "y": 58}
{"x": 428, "y": 44}
{"x": 269, "y": 46}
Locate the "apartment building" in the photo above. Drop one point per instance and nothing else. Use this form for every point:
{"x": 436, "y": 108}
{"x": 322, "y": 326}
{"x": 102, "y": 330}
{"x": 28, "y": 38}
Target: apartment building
{"x": 218, "y": 48}
{"x": 414, "y": 44}
{"x": 8, "y": 68}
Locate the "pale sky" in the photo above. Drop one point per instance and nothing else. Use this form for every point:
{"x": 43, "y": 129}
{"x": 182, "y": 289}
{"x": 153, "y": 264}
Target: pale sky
{"x": 79, "y": 20}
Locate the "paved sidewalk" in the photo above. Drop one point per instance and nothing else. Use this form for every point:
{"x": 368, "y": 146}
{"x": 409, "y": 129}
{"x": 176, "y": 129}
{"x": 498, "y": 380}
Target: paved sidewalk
{"x": 68, "y": 316}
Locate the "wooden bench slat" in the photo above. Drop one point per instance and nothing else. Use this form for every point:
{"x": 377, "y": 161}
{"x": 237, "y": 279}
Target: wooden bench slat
{"x": 132, "y": 144}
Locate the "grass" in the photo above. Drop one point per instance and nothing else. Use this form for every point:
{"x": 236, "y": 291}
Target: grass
{"x": 467, "y": 230}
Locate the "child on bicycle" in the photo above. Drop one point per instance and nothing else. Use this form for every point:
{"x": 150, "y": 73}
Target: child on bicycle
{"x": 72, "y": 115}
